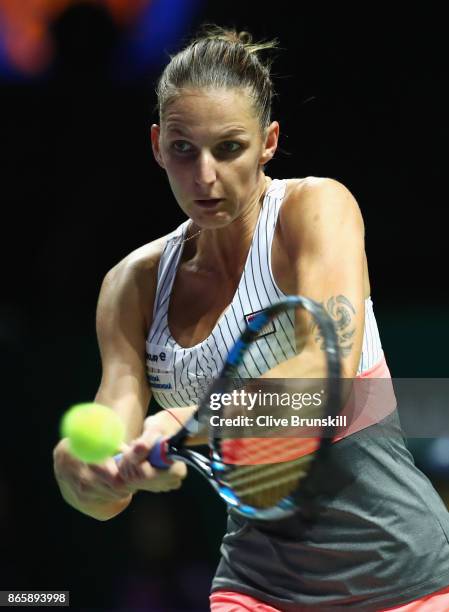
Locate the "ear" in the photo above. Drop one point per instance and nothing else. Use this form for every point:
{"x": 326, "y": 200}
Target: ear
{"x": 270, "y": 144}
{"x": 155, "y": 135}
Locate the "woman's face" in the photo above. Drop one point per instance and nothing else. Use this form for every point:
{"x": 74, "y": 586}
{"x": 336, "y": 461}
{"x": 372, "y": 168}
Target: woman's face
{"x": 211, "y": 145}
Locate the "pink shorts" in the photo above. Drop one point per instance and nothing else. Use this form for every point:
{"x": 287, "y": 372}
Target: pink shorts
{"x": 230, "y": 601}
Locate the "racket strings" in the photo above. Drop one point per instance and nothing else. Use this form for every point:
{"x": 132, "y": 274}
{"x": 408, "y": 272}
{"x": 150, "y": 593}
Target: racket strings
{"x": 249, "y": 452}
{"x": 266, "y": 470}
{"x": 264, "y": 486}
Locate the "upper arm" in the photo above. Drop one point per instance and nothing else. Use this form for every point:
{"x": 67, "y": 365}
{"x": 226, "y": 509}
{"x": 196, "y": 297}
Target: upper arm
{"x": 124, "y": 311}
{"x": 324, "y": 236}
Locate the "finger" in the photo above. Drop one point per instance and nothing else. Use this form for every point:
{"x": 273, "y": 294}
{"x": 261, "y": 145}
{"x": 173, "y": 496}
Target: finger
{"x": 136, "y": 467}
{"x": 112, "y": 491}
{"x": 147, "y": 478}
{"x": 140, "y": 450}
{"x": 135, "y": 473}
{"x": 160, "y": 485}
{"x": 178, "y": 470}
{"x": 105, "y": 474}
{"x": 90, "y": 490}
{"x": 109, "y": 476}
{"x": 137, "y": 452}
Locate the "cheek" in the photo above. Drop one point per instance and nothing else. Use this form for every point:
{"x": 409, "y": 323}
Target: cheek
{"x": 178, "y": 174}
{"x": 244, "y": 170}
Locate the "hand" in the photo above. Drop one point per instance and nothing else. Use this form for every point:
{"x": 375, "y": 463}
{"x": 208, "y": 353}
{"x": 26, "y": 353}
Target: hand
{"x": 97, "y": 490}
{"x": 135, "y": 469}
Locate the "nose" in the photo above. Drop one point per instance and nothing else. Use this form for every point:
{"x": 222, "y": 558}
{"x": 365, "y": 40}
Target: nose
{"x": 205, "y": 169}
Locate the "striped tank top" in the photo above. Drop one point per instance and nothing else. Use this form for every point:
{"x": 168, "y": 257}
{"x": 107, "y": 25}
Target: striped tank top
{"x": 179, "y": 375}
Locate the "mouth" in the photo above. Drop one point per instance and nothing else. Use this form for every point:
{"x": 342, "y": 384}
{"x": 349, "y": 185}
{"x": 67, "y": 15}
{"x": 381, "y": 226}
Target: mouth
{"x": 208, "y": 203}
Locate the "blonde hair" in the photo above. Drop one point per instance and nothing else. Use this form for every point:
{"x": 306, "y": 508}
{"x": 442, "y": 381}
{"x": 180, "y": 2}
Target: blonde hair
{"x": 220, "y": 58}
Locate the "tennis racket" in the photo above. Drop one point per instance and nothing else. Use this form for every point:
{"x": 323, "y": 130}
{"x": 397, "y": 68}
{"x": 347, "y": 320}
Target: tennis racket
{"x": 263, "y": 457}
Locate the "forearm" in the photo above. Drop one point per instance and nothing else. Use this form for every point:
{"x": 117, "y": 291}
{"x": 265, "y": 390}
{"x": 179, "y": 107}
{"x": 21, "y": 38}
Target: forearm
{"x": 131, "y": 407}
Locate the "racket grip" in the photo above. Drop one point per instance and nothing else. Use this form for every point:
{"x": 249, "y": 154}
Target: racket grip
{"x": 158, "y": 455}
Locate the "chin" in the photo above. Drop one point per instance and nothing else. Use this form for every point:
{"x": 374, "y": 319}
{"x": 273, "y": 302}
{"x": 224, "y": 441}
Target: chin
{"x": 211, "y": 219}
{"x": 219, "y": 220}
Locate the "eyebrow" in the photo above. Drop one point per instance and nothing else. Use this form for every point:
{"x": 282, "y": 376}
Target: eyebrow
{"x": 225, "y": 134}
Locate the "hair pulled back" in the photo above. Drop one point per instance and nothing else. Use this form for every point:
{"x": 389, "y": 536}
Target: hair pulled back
{"x": 220, "y": 58}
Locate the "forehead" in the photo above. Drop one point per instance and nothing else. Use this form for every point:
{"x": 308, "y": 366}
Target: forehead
{"x": 211, "y": 109}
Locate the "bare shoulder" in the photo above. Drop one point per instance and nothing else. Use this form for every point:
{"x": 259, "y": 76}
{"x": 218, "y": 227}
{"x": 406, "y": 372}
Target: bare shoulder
{"x": 320, "y": 193}
{"x": 141, "y": 262}
{"x": 131, "y": 284}
{"x": 313, "y": 205}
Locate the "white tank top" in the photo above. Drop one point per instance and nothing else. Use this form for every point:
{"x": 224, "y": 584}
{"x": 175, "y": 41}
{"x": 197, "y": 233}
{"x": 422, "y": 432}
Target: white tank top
{"x": 179, "y": 376}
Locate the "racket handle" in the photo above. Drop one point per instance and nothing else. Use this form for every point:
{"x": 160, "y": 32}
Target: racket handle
{"x": 157, "y": 457}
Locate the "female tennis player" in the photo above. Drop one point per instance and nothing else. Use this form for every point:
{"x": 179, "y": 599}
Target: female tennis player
{"x": 170, "y": 310}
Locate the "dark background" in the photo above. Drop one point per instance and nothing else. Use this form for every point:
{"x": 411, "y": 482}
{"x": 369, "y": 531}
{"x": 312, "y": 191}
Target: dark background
{"x": 362, "y": 97}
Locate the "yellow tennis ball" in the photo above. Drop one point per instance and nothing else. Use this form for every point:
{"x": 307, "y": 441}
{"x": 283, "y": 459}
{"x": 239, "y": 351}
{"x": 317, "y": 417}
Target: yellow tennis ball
{"x": 95, "y": 432}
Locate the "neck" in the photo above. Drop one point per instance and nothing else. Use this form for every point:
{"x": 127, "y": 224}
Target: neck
{"x": 224, "y": 250}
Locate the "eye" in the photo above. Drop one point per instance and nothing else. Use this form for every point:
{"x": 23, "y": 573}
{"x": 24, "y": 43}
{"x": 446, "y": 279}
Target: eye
{"x": 182, "y": 146}
{"x": 230, "y": 146}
